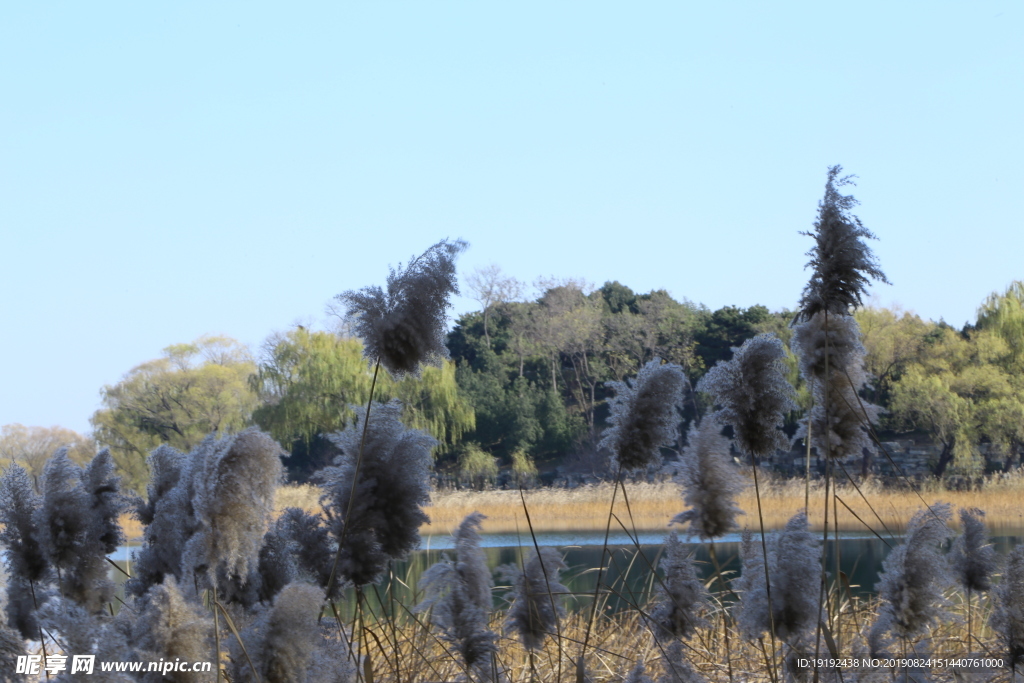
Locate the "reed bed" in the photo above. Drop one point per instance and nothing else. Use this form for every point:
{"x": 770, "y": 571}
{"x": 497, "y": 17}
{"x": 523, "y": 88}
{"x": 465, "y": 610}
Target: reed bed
{"x": 653, "y": 505}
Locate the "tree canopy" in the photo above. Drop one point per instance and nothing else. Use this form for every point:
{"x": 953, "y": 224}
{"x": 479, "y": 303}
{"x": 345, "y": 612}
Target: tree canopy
{"x": 192, "y": 390}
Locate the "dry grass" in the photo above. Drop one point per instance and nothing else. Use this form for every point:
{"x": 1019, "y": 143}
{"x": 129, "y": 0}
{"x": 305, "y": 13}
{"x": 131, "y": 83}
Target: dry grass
{"x": 623, "y": 639}
{"x": 653, "y": 505}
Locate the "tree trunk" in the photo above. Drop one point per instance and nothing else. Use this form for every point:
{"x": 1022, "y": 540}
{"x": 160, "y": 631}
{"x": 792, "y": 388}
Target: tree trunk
{"x": 945, "y": 458}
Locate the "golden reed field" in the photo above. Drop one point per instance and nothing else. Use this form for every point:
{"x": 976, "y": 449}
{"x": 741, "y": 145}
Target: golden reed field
{"x": 653, "y": 505}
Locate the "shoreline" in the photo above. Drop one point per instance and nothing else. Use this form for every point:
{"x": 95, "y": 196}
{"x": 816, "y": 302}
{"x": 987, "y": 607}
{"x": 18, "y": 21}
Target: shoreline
{"x": 652, "y": 506}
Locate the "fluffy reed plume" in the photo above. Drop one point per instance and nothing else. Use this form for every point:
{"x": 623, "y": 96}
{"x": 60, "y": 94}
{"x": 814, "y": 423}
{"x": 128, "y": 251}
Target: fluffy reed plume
{"x": 277, "y": 566}
{"x": 88, "y": 580}
{"x": 458, "y": 595}
{"x": 404, "y": 326}
{"x": 234, "y": 479}
{"x": 314, "y": 551}
{"x": 392, "y": 486}
{"x": 12, "y": 646}
{"x": 794, "y": 555}
{"x": 638, "y": 674}
{"x": 282, "y": 639}
{"x": 168, "y": 626}
{"x": 536, "y": 606}
{"x": 644, "y": 414}
{"x": 169, "y": 519}
{"x": 677, "y": 668}
{"x": 25, "y": 557}
{"x": 682, "y": 595}
{"x": 1008, "y": 615}
{"x": 62, "y": 519}
{"x": 710, "y": 482}
{"x": 331, "y": 662}
{"x": 165, "y": 467}
{"x": 753, "y": 394}
{"x": 840, "y": 425}
{"x": 78, "y": 525}
{"x": 972, "y": 557}
{"x": 841, "y": 261}
{"x": 913, "y": 577}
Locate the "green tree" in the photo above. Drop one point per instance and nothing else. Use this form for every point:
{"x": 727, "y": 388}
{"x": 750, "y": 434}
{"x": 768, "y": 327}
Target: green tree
{"x": 31, "y": 447}
{"x": 192, "y": 390}
{"x": 309, "y": 381}
{"x": 477, "y": 467}
{"x": 961, "y": 391}
{"x": 726, "y": 328}
{"x": 1003, "y": 314}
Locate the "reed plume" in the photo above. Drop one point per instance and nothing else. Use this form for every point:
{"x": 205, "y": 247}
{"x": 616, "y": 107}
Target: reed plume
{"x": 710, "y": 482}
{"x": 282, "y": 638}
{"x": 683, "y": 596}
{"x": 1008, "y": 613}
{"x": 644, "y": 414}
{"x": 314, "y": 549}
{"x": 168, "y": 626}
{"x": 793, "y": 555}
{"x": 169, "y": 518}
{"x": 839, "y": 418}
{"x": 841, "y": 262}
{"x": 404, "y": 326}
{"x": 753, "y": 394}
{"x": 390, "y": 487}
{"x": 458, "y": 595}
{"x": 234, "y": 479}
{"x": 25, "y": 558}
{"x": 913, "y": 577}
{"x": 972, "y": 557}
{"x": 535, "y": 611}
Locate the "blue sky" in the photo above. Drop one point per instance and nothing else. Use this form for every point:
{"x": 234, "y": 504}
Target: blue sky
{"x": 167, "y": 172}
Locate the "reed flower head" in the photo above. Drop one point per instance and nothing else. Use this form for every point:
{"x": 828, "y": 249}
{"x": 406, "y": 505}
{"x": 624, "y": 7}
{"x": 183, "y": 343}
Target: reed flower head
{"x": 710, "y": 482}
{"x": 913, "y": 577}
{"x": 165, "y": 467}
{"x": 458, "y": 595}
{"x": 644, "y": 414}
{"x": 536, "y": 611}
{"x": 839, "y": 419}
{"x": 841, "y": 261}
{"x": 682, "y": 594}
{"x": 12, "y": 646}
{"x": 677, "y": 668}
{"x": 331, "y": 661}
{"x": 754, "y": 394}
{"x": 1008, "y": 615}
{"x": 471, "y": 561}
{"x": 404, "y": 326}
{"x": 169, "y": 626}
{"x": 169, "y": 517}
{"x": 234, "y": 479}
{"x": 314, "y": 550}
{"x": 972, "y": 557}
{"x": 19, "y": 503}
{"x": 63, "y": 517}
{"x": 638, "y": 674}
{"x": 793, "y": 555}
{"x": 392, "y": 487}
{"x": 282, "y": 639}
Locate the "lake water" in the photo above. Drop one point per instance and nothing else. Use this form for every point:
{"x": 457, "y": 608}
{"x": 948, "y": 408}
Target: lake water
{"x": 627, "y": 571}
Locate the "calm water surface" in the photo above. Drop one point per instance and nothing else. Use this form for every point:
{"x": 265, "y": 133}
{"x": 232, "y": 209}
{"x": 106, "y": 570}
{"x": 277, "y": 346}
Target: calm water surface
{"x": 628, "y": 571}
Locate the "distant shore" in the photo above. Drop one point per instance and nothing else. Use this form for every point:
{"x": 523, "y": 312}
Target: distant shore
{"x": 652, "y": 506}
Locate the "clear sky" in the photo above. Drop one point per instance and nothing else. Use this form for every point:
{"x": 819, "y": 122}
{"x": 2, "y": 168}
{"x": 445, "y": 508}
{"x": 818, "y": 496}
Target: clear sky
{"x": 174, "y": 169}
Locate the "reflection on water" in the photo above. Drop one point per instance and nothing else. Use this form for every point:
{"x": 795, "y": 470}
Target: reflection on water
{"x": 628, "y": 572}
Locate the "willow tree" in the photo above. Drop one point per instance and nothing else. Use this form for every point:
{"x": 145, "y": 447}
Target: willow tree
{"x": 192, "y": 390}
{"x": 309, "y": 382}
